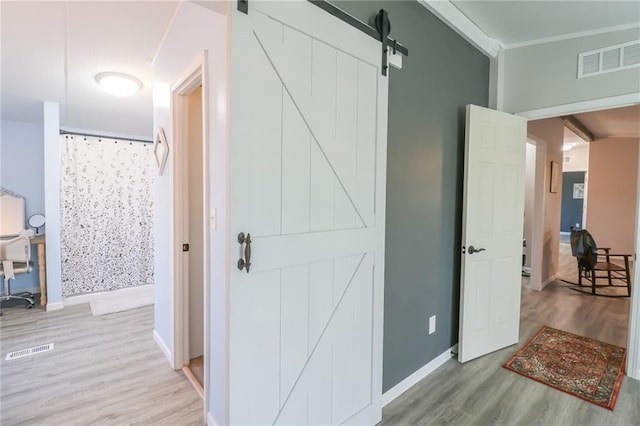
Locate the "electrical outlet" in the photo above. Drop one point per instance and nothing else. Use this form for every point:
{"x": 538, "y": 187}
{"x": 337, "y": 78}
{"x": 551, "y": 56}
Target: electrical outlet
{"x": 577, "y": 225}
{"x": 432, "y": 324}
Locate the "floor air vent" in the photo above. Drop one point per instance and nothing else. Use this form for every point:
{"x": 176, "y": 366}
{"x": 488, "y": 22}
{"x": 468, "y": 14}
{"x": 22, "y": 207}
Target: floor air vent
{"x": 608, "y": 59}
{"x": 31, "y": 351}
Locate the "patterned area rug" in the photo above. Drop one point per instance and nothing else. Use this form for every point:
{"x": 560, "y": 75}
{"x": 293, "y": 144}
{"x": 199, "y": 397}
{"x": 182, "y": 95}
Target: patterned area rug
{"x": 582, "y": 367}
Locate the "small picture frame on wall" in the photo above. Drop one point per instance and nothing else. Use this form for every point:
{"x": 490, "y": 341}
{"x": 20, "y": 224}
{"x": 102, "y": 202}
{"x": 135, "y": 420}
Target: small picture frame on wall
{"x": 160, "y": 150}
{"x": 555, "y": 177}
{"x": 578, "y": 191}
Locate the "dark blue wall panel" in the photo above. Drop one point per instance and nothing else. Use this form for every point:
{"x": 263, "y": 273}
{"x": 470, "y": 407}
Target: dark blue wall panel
{"x": 427, "y": 99}
{"x": 571, "y": 207}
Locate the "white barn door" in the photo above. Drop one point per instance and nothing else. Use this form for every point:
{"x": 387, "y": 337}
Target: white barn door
{"x": 308, "y": 162}
{"x": 492, "y": 220}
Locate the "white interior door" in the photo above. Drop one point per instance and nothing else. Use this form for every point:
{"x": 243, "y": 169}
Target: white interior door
{"x": 308, "y": 162}
{"x": 493, "y": 208}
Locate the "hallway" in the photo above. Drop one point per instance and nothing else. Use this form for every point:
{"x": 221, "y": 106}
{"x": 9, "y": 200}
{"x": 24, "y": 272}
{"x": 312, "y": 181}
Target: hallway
{"x": 481, "y": 392}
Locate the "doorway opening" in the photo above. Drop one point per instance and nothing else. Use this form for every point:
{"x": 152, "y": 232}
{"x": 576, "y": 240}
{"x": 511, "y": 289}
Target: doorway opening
{"x": 194, "y": 232}
{"x": 190, "y": 227}
{"x": 612, "y": 156}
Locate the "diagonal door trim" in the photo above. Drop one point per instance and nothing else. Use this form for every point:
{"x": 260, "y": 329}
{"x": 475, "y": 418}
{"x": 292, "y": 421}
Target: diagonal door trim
{"x": 315, "y": 346}
{"x": 306, "y": 123}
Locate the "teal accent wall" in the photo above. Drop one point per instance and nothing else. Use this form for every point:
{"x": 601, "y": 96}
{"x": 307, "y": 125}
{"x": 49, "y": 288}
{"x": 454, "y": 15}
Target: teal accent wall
{"x": 427, "y": 98}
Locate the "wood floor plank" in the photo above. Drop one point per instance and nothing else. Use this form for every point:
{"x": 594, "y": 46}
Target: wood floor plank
{"x": 103, "y": 370}
{"x": 481, "y": 392}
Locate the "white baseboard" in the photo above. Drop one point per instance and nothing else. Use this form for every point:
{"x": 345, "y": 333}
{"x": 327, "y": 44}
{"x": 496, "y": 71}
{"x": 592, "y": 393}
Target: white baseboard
{"x": 87, "y": 298}
{"x": 210, "y": 420}
{"x": 549, "y": 280}
{"x": 163, "y": 347}
{"x": 81, "y": 298}
{"x": 414, "y": 378}
{"x": 55, "y": 306}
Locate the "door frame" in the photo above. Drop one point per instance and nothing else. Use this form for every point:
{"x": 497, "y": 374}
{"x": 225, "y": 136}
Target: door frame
{"x": 633, "y": 342}
{"x": 537, "y": 221}
{"x": 633, "y": 338}
{"x": 191, "y": 78}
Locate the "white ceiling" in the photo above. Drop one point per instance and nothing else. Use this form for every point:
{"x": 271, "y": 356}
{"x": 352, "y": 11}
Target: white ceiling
{"x": 522, "y": 21}
{"x": 573, "y": 139}
{"x": 53, "y": 50}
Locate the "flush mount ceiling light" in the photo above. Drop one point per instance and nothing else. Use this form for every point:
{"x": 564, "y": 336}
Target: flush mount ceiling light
{"x": 118, "y": 84}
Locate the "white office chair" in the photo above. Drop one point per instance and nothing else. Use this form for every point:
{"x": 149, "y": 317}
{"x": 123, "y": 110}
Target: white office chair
{"x": 15, "y": 247}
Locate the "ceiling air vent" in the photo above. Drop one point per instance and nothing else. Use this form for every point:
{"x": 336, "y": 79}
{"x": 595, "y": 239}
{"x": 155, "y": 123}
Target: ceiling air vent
{"x": 608, "y": 59}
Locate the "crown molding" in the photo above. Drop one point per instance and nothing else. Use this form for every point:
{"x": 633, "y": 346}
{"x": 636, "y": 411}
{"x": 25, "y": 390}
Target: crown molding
{"x": 457, "y": 21}
{"x": 584, "y": 106}
{"x": 167, "y": 30}
{"x": 573, "y": 35}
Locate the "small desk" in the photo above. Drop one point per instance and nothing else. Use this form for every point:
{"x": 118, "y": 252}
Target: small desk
{"x": 40, "y": 242}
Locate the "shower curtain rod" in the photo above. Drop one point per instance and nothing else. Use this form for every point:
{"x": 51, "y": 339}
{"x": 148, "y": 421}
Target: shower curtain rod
{"x": 66, "y": 132}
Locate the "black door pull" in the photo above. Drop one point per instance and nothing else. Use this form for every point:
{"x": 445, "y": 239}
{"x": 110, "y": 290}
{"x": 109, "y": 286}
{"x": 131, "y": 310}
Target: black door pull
{"x": 246, "y": 262}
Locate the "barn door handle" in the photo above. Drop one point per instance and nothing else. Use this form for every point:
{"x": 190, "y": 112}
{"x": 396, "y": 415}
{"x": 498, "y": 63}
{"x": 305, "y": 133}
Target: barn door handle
{"x": 472, "y": 250}
{"x": 246, "y": 262}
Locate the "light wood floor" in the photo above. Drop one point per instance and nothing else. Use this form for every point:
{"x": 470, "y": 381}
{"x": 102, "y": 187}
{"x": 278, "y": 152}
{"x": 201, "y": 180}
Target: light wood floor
{"x": 104, "y": 370}
{"x": 481, "y": 392}
{"x": 108, "y": 370}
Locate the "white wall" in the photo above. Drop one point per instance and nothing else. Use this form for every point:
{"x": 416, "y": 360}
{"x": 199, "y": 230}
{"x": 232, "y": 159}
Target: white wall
{"x": 529, "y": 196}
{"x": 551, "y": 133}
{"x": 578, "y": 159}
{"x": 194, "y": 30}
{"x": 52, "y": 165}
{"x": 545, "y": 75}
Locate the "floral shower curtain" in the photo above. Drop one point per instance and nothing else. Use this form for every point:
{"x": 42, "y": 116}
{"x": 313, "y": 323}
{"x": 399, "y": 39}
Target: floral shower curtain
{"x": 106, "y": 214}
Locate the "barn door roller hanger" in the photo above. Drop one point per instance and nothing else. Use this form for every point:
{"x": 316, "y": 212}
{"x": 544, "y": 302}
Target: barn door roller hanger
{"x": 380, "y": 32}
